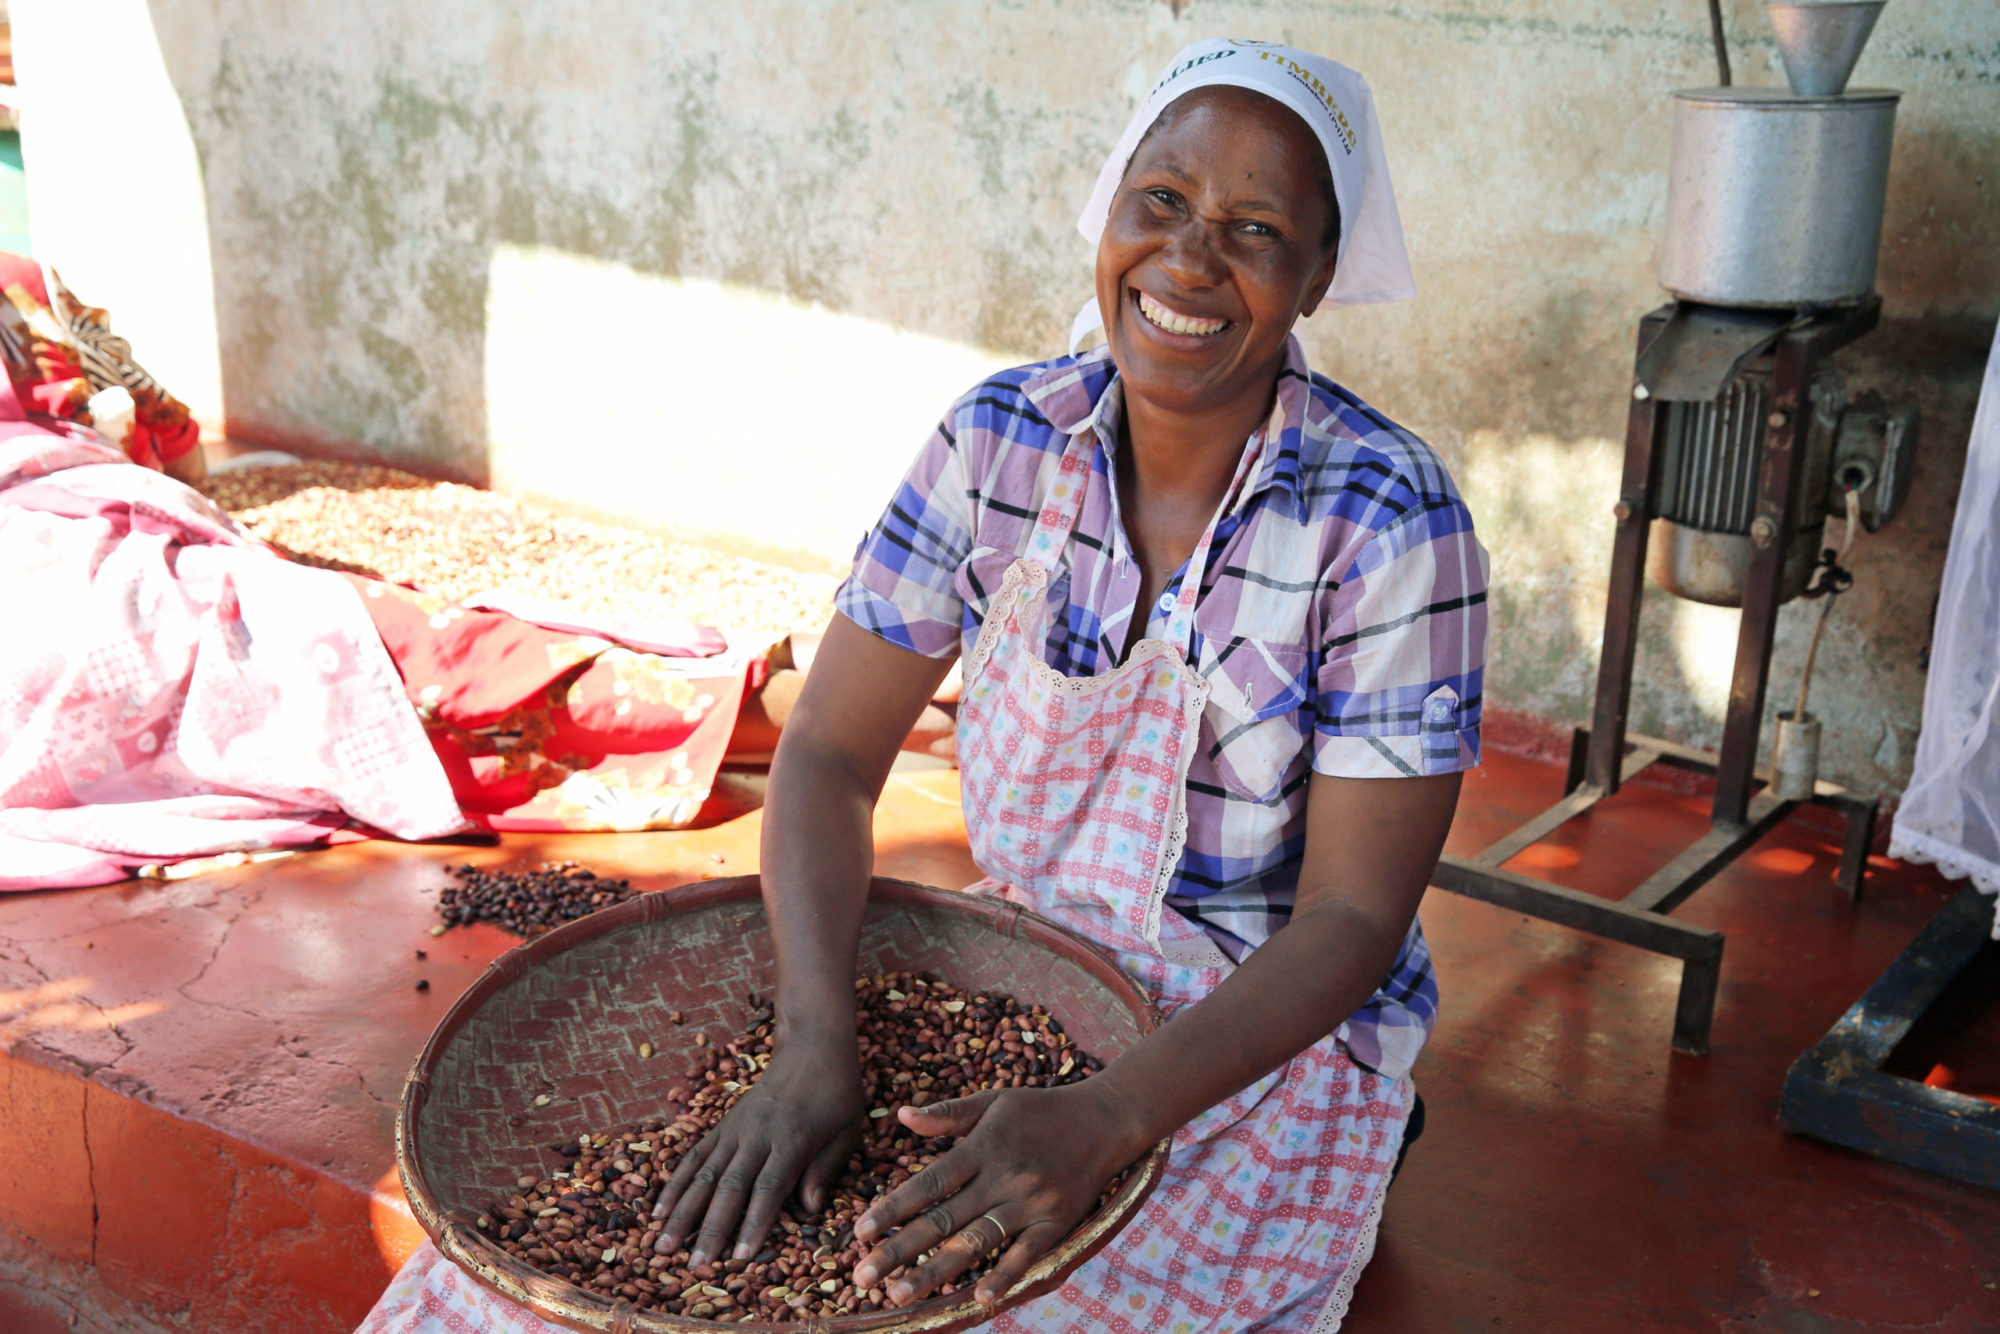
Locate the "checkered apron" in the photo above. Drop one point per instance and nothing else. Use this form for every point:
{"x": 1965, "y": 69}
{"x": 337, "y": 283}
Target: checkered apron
{"x": 1075, "y": 803}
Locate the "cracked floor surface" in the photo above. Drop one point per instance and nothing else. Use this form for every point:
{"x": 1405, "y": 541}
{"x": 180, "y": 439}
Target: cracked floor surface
{"x": 203, "y": 1074}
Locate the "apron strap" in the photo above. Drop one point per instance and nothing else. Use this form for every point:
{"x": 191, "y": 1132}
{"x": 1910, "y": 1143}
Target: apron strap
{"x": 1064, "y": 502}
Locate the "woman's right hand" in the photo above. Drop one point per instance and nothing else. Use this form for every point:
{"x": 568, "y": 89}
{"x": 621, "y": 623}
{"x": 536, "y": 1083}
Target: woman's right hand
{"x": 797, "y": 1126}
{"x": 801, "y": 1120}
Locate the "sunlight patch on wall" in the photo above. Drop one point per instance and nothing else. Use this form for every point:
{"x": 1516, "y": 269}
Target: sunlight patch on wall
{"x": 719, "y": 410}
{"x": 1542, "y": 507}
{"x": 1705, "y": 646}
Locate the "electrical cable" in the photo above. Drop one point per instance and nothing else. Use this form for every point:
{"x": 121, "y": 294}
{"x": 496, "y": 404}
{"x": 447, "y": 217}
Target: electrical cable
{"x": 1829, "y": 581}
{"x": 1721, "y": 46}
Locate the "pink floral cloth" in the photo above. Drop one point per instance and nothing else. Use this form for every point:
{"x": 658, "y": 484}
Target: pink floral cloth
{"x": 170, "y": 687}
{"x": 430, "y": 1295}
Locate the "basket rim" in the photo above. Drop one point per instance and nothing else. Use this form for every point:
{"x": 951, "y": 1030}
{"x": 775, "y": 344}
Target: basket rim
{"x": 579, "y": 1309}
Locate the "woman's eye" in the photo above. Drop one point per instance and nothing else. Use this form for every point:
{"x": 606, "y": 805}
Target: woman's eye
{"x": 1164, "y": 197}
{"x": 1260, "y": 230}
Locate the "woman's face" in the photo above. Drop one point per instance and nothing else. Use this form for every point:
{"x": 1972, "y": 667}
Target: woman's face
{"x": 1214, "y": 247}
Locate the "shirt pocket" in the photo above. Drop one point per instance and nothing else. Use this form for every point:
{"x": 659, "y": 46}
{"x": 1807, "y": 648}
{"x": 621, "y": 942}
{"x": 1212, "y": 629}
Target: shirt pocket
{"x": 1254, "y": 728}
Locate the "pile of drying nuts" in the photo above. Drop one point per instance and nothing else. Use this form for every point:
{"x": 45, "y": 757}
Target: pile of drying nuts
{"x": 921, "y": 1041}
{"x": 459, "y": 541}
{"x": 527, "y": 902}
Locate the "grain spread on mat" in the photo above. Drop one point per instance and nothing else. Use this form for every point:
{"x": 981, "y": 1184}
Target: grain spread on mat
{"x": 920, "y": 1041}
{"x": 458, "y": 541}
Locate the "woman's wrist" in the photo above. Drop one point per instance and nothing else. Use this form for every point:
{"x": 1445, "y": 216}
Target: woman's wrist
{"x": 1118, "y": 1118}
{"x": 817, "y": 1030}
{"x": 813, "y": 1002}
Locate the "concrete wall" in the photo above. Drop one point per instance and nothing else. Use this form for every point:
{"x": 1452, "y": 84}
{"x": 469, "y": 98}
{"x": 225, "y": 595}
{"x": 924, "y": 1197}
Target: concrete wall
{"x": 719, "y": 266}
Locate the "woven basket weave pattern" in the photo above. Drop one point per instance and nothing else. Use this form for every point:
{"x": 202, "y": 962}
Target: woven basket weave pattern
{"x": 563, "y": 1016}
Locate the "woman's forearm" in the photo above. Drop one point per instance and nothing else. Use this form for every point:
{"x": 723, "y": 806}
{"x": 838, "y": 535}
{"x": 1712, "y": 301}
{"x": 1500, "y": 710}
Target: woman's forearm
{"x": 818, "y": 854}
{"x": 855, "y": 707}
{"x": 1356, "y": 900}
{"x": 1292, "y": 991}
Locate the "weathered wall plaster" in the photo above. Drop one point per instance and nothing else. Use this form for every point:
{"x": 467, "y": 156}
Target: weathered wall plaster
{"x": 915, "y": 167}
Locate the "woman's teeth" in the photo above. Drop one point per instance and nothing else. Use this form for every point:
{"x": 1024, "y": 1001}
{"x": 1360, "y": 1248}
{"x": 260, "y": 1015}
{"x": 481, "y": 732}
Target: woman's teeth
{"x": 1174, "y": 322}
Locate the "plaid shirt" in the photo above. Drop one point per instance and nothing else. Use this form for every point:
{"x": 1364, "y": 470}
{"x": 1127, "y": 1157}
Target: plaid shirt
{"x": 1341, "y": 623}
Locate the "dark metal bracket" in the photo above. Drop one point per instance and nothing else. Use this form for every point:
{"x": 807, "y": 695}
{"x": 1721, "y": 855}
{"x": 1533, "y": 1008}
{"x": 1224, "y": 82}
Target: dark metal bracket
{"x": 1838, "y": 1092}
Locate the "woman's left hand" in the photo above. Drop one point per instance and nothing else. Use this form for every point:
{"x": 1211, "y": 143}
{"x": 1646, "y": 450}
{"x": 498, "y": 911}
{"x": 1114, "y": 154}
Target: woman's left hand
{"x": 1029, "y": 1164}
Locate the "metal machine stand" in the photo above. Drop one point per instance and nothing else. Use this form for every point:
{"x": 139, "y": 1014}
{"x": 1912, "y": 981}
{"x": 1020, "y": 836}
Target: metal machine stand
{"x": 1838, "y": 1092}
{"x": 1605, "y": 755}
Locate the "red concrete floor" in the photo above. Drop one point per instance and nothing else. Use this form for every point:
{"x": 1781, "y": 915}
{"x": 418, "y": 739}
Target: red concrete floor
{"x": 199, "y": 1076}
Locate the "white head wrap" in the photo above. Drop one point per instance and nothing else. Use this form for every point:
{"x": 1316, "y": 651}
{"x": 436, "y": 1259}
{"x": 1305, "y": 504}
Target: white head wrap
{"x": 1371, "y": 264}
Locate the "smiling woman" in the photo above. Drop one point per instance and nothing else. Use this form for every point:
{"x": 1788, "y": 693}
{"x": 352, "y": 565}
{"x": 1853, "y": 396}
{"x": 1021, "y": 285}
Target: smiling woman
{"x": 1223, "y": 629}
{"x": 1217, "y": 242}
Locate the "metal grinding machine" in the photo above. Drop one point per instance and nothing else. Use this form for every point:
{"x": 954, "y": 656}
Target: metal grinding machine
{"x": 1740, "y": 443}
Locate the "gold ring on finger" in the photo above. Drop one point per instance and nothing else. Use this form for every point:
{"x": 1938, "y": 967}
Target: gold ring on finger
{"x": 1001, "y": 1245}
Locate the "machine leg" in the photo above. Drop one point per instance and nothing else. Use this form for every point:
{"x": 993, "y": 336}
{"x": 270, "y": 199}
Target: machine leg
{"x": 1694, "y": 1011}
{"x": 1854, "y": 848}
{"x": 1622, "y": 597}
{"x": 1579, "y": 755}
{"x": 1771, "y": 532}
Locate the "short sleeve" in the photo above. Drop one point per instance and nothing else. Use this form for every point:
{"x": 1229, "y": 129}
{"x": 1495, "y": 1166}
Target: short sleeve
{"x": 1403, "y": 651}
{"x": 901, "y": 588}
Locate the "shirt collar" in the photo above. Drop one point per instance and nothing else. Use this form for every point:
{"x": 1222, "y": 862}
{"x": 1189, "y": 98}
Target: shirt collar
{"x": 1076, "y": 394}
{"x": 1071, "y": 391}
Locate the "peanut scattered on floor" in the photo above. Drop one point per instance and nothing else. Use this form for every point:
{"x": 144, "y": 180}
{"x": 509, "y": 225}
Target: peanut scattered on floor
{"x": 528, "y": 902}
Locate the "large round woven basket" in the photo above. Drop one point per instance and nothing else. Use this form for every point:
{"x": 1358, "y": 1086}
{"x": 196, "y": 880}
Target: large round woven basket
{"x": 562, "y": 1017}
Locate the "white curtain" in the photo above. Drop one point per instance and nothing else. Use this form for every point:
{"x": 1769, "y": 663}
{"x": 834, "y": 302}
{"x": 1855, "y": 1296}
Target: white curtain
{"x": 1951, "y": 814}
